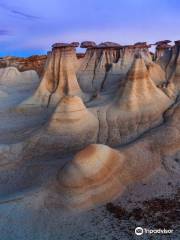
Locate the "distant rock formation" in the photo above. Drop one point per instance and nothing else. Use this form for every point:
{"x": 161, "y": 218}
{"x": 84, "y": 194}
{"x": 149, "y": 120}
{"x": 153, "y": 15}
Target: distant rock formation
{"x": 59, "y": 77}
{"x": 35, "y": 62}
{"x": 12, "y": 76}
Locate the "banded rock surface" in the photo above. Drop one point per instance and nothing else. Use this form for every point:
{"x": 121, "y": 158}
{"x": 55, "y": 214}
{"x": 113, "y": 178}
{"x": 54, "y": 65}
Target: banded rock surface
{"x": 138, "y": 107}
{"x": 99, "y": 174}
{"x": 59, "y": 77}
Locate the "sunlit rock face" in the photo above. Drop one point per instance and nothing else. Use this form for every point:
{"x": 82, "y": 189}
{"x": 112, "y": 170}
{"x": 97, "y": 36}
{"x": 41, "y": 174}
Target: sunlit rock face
{"x": 138, "y": 106}
{"x": 59, "y": 77}
{"x": 91, "y": 178}
{"x": 71, "y": 126}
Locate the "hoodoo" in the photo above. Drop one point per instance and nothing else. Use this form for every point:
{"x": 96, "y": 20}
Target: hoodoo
{"x": 138, "y": 107}
{"x": 72, "y": 126}
{"x": 119, "y": 69}
{"x": 59, "y": 77}
{"x": 96, "y": 63}
{"x": 163, "y": 53}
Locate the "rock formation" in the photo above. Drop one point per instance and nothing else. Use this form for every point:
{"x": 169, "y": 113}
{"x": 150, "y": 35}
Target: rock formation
{"x": 91, "y": 177}
{"x": 138, "y": 107}
{"x": 10, "y": 76}
{"x": 96, "y": 63}
{"x": 133, "y": 107}
{"x": 173, "y": 71}
{"x": 118, "y": 71}
{"x": 59, "y": 77}
{"x": 35, "y": 62}
{"x": 98, "y": 174}
{"x": 72, "y": 126}
{"x": 163, "y": 53}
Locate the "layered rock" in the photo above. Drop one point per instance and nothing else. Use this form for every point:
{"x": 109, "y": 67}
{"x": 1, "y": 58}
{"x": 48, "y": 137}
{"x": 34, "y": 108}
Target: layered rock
{"x": 72, "y": 126}
{"x": 35, "y": 62}
{"x": 99, "y": 174}
{"x": 91, "y": 177}
{"x": 59, "y": 77}
{"x": 96, "y": 63}
{"x": 118, "y": 71}
{"x": 138, "y": 107}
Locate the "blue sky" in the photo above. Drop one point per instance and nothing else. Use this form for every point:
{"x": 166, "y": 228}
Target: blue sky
{"x": 31, "y": 26}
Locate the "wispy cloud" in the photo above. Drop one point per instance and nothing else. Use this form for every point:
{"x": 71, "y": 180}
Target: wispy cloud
{"x": 24, "y": 14}
{"x": 17, "y": 12}
{"x": 4, "y": 32}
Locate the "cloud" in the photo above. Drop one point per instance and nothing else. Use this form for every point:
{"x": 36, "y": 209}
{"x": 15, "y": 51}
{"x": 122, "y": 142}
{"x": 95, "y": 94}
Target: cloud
{"x": 24, "y": 14}
{"x": 4, "y": 32}
{"x": 17, "y": 12}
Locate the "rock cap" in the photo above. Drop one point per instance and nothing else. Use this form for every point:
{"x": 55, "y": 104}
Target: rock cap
{"x": 109, "y": 45}
{"x": 64, "y": 45}
{"x": 88, "y": 44}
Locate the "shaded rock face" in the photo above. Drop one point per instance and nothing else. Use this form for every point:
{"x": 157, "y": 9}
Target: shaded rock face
{"x": 163, "y": 54}
{"x": 94, "y": 67}
{"x": 170, "y": 60}
{"x": 59, "y": 77}
{"x": 35, "y": 62}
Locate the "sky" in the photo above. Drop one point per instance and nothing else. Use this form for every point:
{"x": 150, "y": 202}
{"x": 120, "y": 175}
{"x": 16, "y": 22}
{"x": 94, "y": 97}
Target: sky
{"x": 30, "y": 27}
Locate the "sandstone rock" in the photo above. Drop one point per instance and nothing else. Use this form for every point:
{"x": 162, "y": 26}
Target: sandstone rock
{"x": 35, "y": 62}
{"x": 94, "y": 67}
{"x": 99, "y": 174}
{"x": 109, "y": 45}
{"x": 59, "y": 78}
{"x": 72, "y": 126}
{"x": 163, "y": 42}
{"x": 10, "y": 76}
{"x": 173, "y": 72}
{"x": 118, "y": 71}
{"x": 138, "y": 107}
{"x": 91, "y": 177}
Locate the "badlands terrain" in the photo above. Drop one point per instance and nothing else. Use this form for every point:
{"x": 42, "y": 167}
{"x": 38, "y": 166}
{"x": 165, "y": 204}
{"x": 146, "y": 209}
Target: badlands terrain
{"x": 90, "y": 143}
